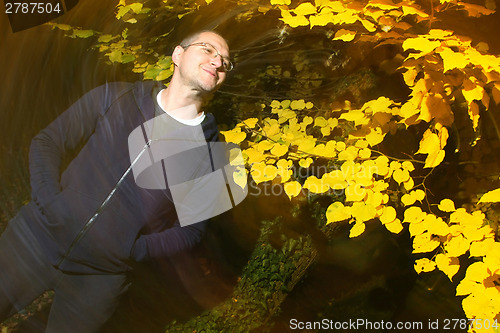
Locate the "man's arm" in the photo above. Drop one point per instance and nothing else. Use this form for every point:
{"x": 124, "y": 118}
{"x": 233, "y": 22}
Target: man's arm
{"x": 64, "y": 134}
{"x": 168, "y": 242}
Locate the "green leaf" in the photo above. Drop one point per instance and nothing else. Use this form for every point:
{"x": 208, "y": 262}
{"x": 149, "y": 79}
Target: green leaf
{"x": 82, "y": 33}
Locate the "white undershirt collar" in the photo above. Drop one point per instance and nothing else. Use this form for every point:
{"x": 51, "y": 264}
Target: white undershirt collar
{"x": 191, "y": 122}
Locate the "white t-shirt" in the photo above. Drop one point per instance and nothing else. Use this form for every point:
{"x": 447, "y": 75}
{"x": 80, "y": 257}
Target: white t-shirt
{"x": 191, "y": 122}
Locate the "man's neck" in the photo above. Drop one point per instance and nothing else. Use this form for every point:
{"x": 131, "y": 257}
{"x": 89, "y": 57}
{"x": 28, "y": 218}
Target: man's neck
{"x": 175, "y": 102}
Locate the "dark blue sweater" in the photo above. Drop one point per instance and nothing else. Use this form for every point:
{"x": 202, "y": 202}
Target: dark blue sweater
{"x": 136, "y": 223}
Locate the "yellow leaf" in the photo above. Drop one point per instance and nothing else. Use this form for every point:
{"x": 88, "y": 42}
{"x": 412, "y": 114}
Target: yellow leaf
{"x": 365, "y": 153}
{"x": 234, "y": 136}
{"x": 281, "y": 2}
{"x": 472, "y": 90}
{"x": 491, "y": 196}
{"x": 388, "y": 215}
{"x": 411, "y": 10}
{"x": 349, "y": 154}
{"x": 439, "y": 33}
{"x": 320, "y": 121}
{"x": 480, "y": 249}
{"x": 424, "y": 243}
{"x": 448, "y": 265}
{"x": 253, "y": 155}
{"x": 275, "y": 104}
{"x": 424, "y": 265}
{"x": 414, "y": 214}
{"x": 305, "y": 162}
{"x": 477, "y": 272}
{"x": 306, "y": 121}
{"x": 495, "y": 91}
{"x": 492, "y": 260}
{"x": 292, "y": 189}
{"x": 357, "y": 116}
{"x": 409, "y": 184}
{"x": 344, "y": 35}
{"x": 363, "y": 212}
{"x": 337, "y": 212}
{"x": 261, "y": 172}
{"x": 357, "y": 229}
{"x": 325, "y": 131}
{"x": 283, "y": 169}
{"x": 375, "y": 136}
{"x": 355, "y": 192}
{"x": 407, "y": 200}
{"x": 322, "y": 19}
{"x": 401, "y": 175}
{"x": 305, "y": 8}
{"x": 264, "y": 145}
{"x": 293, "y": 21}
{"x": 420, "y": 44}
{"x": 452, "y": 60}
{"x": 417, "y": 228}
{"x": 315, "y": 185}
{"x": 279, "y": 150}
{"x": 349, "y": 16}
{"x": 298, "y": 104}
{"x": 474, "y": 114}
{"x": 418, "y": 194}
{"x": 434, "y": 159}
{"x": 250, "y": 122}
{"x": 335, "y": 179}
{"x": 395, "y": 226}
{"x": 447, "y": 205}
{"x": 407, "y": 165}
{"x": 368, "y": 25}
{"x": 240, "y": 176}
{"x": 383, "y": 4}
{"x": 467, "y": 287}
{"x": 438, "y": 227}
{"x": 457, "y": 246}
{"x": 306, "y": 145}
{"x": 409, "y": 77}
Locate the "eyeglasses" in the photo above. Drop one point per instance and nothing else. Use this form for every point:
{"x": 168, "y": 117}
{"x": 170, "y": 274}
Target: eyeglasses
{"x": 212, "y": 52}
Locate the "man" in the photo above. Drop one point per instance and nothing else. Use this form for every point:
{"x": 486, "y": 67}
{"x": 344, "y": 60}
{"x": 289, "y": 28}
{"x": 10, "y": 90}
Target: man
{"x": 84, "y": 227}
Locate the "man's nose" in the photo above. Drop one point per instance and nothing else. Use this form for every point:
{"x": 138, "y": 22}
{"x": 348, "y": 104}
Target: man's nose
{"x": 217, "y": 61}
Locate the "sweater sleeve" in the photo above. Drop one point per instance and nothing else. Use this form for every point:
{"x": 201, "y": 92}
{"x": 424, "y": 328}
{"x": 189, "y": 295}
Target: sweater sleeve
{"x": 168, "y": 242}
{"x": 63, "y": 135}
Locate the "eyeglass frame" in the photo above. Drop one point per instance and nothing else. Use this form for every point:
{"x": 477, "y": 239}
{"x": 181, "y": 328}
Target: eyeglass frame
{"x": 230, "y": 65}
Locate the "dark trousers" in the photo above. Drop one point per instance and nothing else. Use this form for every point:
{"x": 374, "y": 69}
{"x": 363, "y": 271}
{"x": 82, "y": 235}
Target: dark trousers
{"x": 82, "y": 303}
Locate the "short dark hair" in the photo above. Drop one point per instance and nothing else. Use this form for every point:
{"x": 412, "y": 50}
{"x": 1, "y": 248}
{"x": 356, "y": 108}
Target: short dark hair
{"x": 194, "y": 35}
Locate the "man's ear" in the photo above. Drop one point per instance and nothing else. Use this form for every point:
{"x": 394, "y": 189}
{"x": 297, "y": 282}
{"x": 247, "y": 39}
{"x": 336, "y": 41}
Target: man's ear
{"x": 176, "y": 54}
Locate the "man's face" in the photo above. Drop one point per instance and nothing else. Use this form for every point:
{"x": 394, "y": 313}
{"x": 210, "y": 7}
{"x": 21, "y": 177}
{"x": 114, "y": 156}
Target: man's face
{"x": 198, "y": 68}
